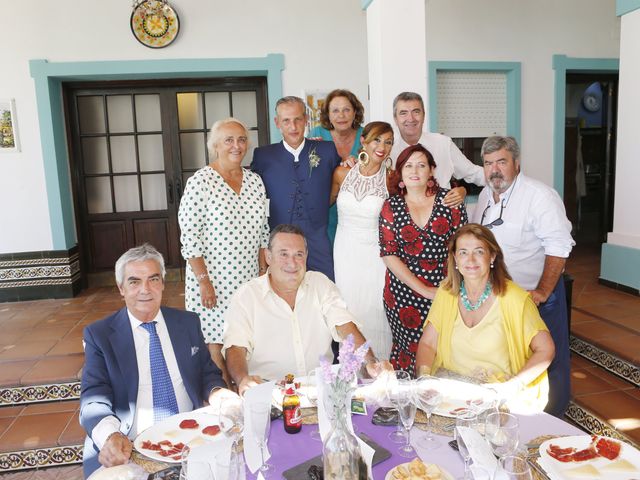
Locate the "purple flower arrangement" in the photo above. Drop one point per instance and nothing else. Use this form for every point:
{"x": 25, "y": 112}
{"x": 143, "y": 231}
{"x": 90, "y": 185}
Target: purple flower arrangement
{"x": 350, "y": 360}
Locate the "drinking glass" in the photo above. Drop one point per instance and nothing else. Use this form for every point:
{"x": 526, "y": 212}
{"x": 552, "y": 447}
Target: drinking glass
{"x": 392, "y": 389}
{"x": 231, "y": 417}
{"x": 192, "y": 470}
{"x": 428, "y": 397}
{"x": 501, "y": 431}
{"x": 465, "y": 418}
{"x": 311, "y": 392}
{"x": 407, "y": 413}
{"x": 260, "y": 426}
{"x": 514, "y": 468}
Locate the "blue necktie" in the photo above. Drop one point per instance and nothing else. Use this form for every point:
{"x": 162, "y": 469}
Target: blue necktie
{"x": 164, "y": 397}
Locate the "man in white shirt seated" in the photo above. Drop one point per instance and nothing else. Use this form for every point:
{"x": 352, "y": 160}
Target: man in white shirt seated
{"x": 529, "y": 221}
{"x": 142, "y": 364}
{"x": 409, "y": 114}
{"x": 282, "y": 322}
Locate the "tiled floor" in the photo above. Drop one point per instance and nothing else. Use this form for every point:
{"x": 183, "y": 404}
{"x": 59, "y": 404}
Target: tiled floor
{"x": 41, "y": 343}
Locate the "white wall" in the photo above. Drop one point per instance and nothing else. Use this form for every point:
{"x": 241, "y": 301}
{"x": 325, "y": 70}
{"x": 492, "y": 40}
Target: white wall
{"x": 324, "y": 44}
{"x": 626, "y": 228}
{"x": 529, "y": 32}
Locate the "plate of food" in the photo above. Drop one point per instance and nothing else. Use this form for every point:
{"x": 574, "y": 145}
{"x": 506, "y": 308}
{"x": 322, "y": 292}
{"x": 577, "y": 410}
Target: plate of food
{"x": 589, "y": 456}
{"x": 165, "y": 440}
{"x": 417, "y": 470}
{"x": 457, "y": 395}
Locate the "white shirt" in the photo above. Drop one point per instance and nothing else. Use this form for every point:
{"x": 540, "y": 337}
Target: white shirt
{"x": 280, "y": 340}
{"x": 294, "y": 151}
{"x": 450, "y": 161}
{"x": 535, "y": 225}
{"x": 143, "y": 416}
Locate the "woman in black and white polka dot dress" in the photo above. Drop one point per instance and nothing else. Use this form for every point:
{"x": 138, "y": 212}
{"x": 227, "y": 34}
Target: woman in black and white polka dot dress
{"x": 415, "y": 227}
{"x": 223, "y": 230}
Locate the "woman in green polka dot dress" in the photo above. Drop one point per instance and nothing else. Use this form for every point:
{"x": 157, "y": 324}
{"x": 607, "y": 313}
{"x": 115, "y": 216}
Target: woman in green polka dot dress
{"x": 224, "y": 230}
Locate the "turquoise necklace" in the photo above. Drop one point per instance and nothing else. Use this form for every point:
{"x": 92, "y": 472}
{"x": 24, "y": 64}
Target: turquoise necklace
{"x": 470, "y": 307}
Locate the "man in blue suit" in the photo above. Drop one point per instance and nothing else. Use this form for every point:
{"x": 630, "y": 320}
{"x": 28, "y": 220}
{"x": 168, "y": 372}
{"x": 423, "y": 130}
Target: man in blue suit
{"x": 297, "y": 174}
{"x": 121, "y": 392}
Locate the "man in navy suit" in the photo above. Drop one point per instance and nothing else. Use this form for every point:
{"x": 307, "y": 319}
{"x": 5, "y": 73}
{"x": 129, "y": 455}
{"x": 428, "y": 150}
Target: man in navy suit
{"x": 297, "y": 174}
{"x": 118, "y": 399}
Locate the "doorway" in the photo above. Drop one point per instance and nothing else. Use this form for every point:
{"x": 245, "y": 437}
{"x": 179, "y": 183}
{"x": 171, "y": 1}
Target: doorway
{"x": 133, "y": 146}
{"x": 589, "y": 154}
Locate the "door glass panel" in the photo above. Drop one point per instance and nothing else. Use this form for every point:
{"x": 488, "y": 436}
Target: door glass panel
{"x": 120, "y": 113}
{"x": 244, "y": 108}
{"x": 253, "y": 144}
{"x": 98, "y": 195}
{"x": 154, "y": 196}
{"x": 189, "y": 111}
{"x": 94, "y": 155}
{"x": 123, "y": 154}
{"x": 148, "y": 117}
{"x": 150, "y": 152}
{"x": 217, "y": 104}
{"x": 192, "y": 150}
{"x": 125, "y": 189}
{"x": 91, "y": 114}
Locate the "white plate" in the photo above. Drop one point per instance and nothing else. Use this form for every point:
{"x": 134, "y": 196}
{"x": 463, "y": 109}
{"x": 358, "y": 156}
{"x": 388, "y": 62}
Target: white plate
{"x": 457, "y": 394}
{"x": 444, "y": 475}
{"x": 169, "y": 429}
{"x": 563, "y": 470}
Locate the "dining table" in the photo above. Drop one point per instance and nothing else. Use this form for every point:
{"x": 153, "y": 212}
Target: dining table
{"x": 289, "y": 450}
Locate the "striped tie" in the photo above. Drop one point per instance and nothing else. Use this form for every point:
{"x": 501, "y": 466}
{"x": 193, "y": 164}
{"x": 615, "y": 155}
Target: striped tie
{"x": 164, "y": 397}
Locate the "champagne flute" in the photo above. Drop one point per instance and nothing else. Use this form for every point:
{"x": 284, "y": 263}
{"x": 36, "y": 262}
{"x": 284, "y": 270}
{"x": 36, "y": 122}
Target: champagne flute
{"x": 428, "y": 397}
{"x": 392, "y": 389}
{"x": 407, "y": 413}
{"x": 465, "y": 418}
{"x": 501, "y": 431}
{"x": 260, "y": 426}
{"x": 514, "y": 468}
{"x": 311, "y": 392}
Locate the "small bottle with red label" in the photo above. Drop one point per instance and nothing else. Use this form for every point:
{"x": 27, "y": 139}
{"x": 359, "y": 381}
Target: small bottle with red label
{"x": 291, "y": 406}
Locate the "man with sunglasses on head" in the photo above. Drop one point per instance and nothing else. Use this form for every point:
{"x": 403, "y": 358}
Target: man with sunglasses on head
{"x": 529, "y": 221}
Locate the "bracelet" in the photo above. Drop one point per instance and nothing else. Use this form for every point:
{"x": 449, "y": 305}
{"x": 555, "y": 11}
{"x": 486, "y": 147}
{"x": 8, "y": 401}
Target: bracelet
{"x": 202, "y": 276}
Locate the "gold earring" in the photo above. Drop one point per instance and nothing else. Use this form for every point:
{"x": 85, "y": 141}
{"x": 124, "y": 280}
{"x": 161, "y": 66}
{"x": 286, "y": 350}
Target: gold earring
{"x": 363, "y": 158}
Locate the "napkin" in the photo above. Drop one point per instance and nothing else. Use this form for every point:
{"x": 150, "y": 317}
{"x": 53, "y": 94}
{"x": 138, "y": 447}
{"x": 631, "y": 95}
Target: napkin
{"x": 209, "y": 457}
{"x": 261, "y": 393}
{"x": 483, "y": 459}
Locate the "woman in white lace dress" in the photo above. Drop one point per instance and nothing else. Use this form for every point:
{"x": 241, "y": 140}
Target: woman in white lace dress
{"x": 359, "y": 270}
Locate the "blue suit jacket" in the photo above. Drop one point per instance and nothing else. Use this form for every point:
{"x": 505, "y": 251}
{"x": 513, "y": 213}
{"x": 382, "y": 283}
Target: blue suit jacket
{"x": 110, "y": 372}
{"x": 299, "y": 194}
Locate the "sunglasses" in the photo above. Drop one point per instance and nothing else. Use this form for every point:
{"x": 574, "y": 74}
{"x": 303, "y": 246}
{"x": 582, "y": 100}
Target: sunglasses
{"x": 497, "y": 221}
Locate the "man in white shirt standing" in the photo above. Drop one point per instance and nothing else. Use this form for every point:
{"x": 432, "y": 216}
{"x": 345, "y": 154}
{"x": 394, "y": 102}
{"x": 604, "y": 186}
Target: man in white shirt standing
{"x": 282, "y": 322}
{"x": 529, "y": 221}
{"x": 142, "y": 364}
{"x": 409, "y": 114}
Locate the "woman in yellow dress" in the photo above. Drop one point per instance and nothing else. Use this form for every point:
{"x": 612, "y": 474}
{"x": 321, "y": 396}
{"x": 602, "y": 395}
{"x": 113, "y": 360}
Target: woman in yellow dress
{"x": 484, "y": 326}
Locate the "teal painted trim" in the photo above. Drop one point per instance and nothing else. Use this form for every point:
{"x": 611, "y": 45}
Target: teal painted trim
{"x": 620, "y": 265}
{"x": 365, "y": 4}
{"x": 513, "y": 73}
{"x": 563, "y": 65}
{"x": 626, "y": 6}
{"x": 48, "y": 78}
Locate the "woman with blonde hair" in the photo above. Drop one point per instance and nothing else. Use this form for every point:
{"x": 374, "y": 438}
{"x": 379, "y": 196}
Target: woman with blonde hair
{"x": 484, "y": 326}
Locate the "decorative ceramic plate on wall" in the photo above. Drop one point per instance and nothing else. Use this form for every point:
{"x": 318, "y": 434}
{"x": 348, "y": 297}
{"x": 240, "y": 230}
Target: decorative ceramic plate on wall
{"x": 154, "y": 24}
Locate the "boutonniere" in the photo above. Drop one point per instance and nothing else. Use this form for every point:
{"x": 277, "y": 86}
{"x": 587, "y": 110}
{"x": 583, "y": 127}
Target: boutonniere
{"x": 314, "y": 160}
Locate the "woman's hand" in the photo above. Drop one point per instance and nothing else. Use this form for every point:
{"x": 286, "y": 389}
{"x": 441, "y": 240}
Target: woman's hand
{"x": 207, "y": 293}
{"x": 454, "y": 197}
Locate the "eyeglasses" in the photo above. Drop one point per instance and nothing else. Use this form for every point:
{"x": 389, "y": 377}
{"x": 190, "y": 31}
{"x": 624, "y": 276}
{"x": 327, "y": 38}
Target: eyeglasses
{"x": 497, "y": 221}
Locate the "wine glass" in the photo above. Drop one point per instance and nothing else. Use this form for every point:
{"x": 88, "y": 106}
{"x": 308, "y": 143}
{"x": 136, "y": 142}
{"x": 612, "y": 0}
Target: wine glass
{"x": 392, "y": 389}
{"x": 311, "y": 392}
{"x": 407, "y": 413}
{"x": 514, "y": 467}
{"x": 501, "y": 431}
{"x": 193, "y": 469}
{"x": 465, "y": 418}
{"x": 260, "y": 426}
{"x": 428, "y": 397}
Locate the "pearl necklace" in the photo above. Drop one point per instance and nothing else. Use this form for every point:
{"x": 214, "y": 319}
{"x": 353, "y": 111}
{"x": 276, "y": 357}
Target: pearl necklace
{"x": 465, "y": 298}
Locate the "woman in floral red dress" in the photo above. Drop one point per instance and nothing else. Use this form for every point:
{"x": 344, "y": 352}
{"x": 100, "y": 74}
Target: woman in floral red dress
{"x": 415, "y": 227}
